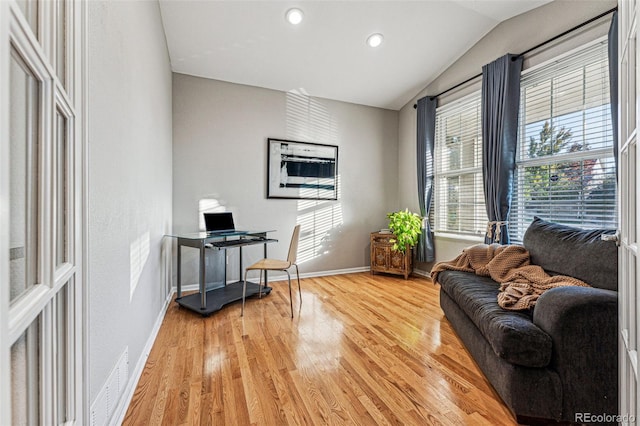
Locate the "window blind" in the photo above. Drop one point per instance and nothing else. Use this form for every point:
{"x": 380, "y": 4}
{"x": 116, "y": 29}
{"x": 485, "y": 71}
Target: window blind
{"x": 459, "y": 196}
{"x": 565, "y": 169}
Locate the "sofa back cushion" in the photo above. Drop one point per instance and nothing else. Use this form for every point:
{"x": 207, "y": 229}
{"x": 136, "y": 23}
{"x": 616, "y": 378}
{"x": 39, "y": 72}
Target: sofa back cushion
{"x": 578, "y": 253}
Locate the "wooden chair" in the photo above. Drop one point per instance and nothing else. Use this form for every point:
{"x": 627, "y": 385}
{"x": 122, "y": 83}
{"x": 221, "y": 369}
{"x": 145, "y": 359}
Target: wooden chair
{"x": 277, "y": 265}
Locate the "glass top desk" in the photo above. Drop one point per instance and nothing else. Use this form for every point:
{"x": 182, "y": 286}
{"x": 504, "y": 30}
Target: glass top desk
{"x": 206, "y": 302}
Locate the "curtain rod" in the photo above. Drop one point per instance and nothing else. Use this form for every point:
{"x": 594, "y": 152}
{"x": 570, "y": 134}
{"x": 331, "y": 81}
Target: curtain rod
{"x": 552, "y": 39}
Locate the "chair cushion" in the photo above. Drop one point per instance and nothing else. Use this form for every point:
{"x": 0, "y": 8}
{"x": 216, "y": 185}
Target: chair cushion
{"x": 578, "y": 253}
{"x": 512, "y": 335}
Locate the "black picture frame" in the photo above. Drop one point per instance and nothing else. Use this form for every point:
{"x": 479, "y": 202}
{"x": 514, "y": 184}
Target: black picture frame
{"x": 301, "y": 170}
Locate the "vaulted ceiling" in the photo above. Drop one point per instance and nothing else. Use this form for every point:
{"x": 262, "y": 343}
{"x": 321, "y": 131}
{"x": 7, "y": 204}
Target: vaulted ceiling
{"x": 250, "y": 42}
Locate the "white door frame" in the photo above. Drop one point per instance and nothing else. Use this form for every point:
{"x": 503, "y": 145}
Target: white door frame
{"x": 5, "y": 346}
{"x": 67, "y": 95}
{"x": 628, "y": 210}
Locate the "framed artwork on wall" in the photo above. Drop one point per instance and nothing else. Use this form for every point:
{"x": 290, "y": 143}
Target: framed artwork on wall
{"x": 302, "y": 170}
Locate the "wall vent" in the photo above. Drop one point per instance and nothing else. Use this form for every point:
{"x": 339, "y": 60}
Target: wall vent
{"x": 107, "y": 400}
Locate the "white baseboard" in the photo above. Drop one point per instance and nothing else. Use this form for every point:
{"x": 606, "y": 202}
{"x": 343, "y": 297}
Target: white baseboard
{"x": 125, "y": 401}
{"x": 282, "y": 277}
{"x": 333, "y": 272}
{"x": 422, "y": 273}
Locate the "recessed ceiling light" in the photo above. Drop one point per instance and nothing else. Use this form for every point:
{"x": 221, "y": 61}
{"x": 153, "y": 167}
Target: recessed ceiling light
{"x": 375, "y": 40}
{"x": 294, "y": 16}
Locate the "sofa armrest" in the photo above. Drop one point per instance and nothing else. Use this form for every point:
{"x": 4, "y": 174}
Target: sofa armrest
{"x": 583, "y": 325}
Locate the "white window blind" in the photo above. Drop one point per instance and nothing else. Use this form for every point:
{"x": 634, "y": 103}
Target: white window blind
{"x": 565, "y": 169}
{"x": 459, "y": 196}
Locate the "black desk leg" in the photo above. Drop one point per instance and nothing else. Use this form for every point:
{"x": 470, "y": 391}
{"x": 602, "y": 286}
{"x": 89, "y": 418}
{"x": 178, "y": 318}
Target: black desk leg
{"x": 224, "y": 278}
{"x": 179, "y": 260}
{"x": 240, "y": 262}
{"x": 203, "y": 285}
{"x": 266, "y": 280}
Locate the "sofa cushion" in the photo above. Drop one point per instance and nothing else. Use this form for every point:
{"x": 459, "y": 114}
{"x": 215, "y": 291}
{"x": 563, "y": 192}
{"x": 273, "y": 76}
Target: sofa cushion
{"x": 512, "y": 335}
{"x": 578, "y": 253}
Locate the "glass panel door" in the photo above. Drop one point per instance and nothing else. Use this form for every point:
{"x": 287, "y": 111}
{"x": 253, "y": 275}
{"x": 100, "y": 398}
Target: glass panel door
{"x": 40, "y": 308}
{"x": 628, "y": 280}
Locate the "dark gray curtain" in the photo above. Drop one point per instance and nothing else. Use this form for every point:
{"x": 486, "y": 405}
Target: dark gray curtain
{"x": 500, "y": 105}
{"x": 425, "y": 251}
{"x": 613, "y": 83}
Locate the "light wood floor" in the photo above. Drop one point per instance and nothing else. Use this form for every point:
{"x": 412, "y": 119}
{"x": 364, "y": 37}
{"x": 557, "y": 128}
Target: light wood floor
{"x": 361, "y": 350}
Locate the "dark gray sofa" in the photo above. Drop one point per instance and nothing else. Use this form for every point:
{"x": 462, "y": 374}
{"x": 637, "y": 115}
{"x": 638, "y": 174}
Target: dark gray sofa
{"x": 562, "y": 358}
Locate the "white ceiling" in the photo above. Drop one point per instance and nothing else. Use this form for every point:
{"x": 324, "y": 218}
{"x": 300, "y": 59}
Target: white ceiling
{"x": 249, "y": 42}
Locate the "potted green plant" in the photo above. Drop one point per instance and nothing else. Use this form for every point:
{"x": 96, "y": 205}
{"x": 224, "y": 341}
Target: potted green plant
{"x": 406, "y": 226}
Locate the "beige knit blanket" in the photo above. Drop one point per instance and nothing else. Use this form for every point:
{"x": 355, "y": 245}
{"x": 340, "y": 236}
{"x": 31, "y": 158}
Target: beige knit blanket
{"x": 520, "y": 282}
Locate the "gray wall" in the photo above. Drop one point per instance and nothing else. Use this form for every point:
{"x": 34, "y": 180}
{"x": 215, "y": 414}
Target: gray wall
{"x": 219, "y": 154}
{"x": 130, "y": 181}
{"x": 220, "y": 133}
{"x": 515, "y": 35}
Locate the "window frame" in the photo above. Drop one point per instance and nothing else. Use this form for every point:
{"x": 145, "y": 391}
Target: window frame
{"x": 601, "y": 153}
{"x": 439, "y": 205}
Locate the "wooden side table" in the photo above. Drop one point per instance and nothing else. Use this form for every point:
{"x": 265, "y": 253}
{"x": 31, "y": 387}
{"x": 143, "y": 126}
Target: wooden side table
{"x": 385, "y": 259}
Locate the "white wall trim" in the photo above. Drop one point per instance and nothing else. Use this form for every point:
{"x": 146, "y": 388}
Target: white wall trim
{"x": 282, "y": 277}
{"x": 125, "y": 401}
{"x": 332, "y": 272}
{"x": 5, "y": 343}
{"x": 82, "y": 96}
{"x": 420, "y": 272}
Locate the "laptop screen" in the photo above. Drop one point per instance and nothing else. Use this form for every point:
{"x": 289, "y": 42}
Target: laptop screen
{"x": 216, "y": 222}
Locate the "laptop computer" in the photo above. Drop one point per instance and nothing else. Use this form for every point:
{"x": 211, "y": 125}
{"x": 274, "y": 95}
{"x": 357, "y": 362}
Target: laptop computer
{"x": 219, "y": 222}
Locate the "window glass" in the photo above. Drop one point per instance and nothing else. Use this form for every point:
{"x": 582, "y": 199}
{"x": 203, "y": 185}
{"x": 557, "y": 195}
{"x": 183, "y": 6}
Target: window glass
{"x": 61, "y": 188}
{"x": 62, "y": 336}
{"x": 30, "y": 11}
{"x": 25, "y": 377}
{"x": 61, "y": 40}
{"x": 565, "y": 169}
{"x": 23, "y": 175}
{"x": 459, "y": 194}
